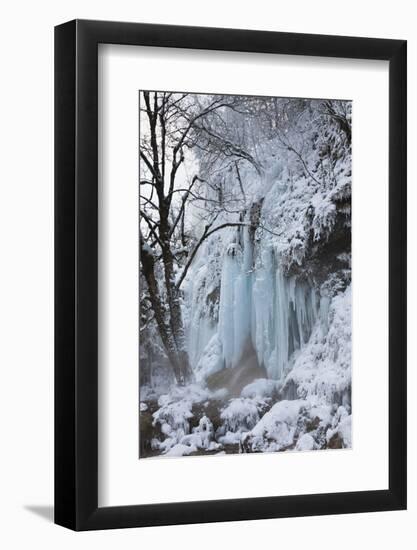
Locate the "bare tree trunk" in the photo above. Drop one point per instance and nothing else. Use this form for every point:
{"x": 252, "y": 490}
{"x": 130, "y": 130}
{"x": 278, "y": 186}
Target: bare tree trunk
{"x": 173, "y": 298}
{"x": 172, "y": 340}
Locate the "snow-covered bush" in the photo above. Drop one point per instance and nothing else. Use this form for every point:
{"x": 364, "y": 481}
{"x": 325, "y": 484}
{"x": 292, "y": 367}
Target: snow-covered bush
{"x": 173, "y": 418}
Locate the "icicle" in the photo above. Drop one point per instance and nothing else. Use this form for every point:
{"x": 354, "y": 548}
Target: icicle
{"x": 285, "y": 311}
{"x": 227, "y": 314}
{"x": 201, "y": 327}
{"x": 324, "y": 312}
{"x": 263, "y": 317}
{"x": 243, "y": 300}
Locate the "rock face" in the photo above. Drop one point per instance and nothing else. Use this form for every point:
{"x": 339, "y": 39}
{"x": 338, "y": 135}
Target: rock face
{"x": 148, "y": 431}
{"x": 234, "y": 379}
{"x": 335, "y": 442}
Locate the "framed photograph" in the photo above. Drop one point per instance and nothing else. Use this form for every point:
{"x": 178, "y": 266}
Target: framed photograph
{"x": 230, "y": 252}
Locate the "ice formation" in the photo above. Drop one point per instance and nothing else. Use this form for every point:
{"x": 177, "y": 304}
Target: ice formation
{"x": 260, "y": 305}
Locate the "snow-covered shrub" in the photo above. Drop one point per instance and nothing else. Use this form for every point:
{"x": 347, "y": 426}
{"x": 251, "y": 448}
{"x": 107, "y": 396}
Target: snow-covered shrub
{"x": 201, "y": 438}
{"x": 173, "y": 419}
{"x": 202, "y": 435}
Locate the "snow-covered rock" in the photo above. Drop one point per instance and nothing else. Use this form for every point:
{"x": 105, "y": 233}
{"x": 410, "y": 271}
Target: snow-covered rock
{"x": 299, "y": 425}
{"x": 341, "y": 430}
{"x": 323, "y": 367}
{"x": 261, "y": 388}
{"x": 173, "y": 418}
{"x": 240, "y": 415}
{"x": 305, "y": 443}
{"x": 180, "y": 449}
{"x": 276, "y": 429}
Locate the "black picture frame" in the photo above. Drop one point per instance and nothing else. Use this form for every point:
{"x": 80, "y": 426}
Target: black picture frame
{"x": 76, "y": 272}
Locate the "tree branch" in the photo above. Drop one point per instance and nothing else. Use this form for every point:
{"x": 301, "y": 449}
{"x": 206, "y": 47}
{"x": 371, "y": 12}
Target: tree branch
{"x": 184, "y": 199}
{"x": 205, "y": 235}
{"x": 151, "y": 227}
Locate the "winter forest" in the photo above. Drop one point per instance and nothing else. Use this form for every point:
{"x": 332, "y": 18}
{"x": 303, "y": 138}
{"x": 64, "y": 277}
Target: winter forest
{"x": 245, "y": 274}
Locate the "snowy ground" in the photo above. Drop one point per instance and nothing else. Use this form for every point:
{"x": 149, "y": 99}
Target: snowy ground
{"x": 308, "y": 409}
{"x": 182, "y": 425}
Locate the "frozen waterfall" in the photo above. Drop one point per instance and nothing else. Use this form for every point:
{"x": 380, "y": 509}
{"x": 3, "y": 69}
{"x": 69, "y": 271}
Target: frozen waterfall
{"x": 283, "y": 315}
{"x": 259, "y": 305}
